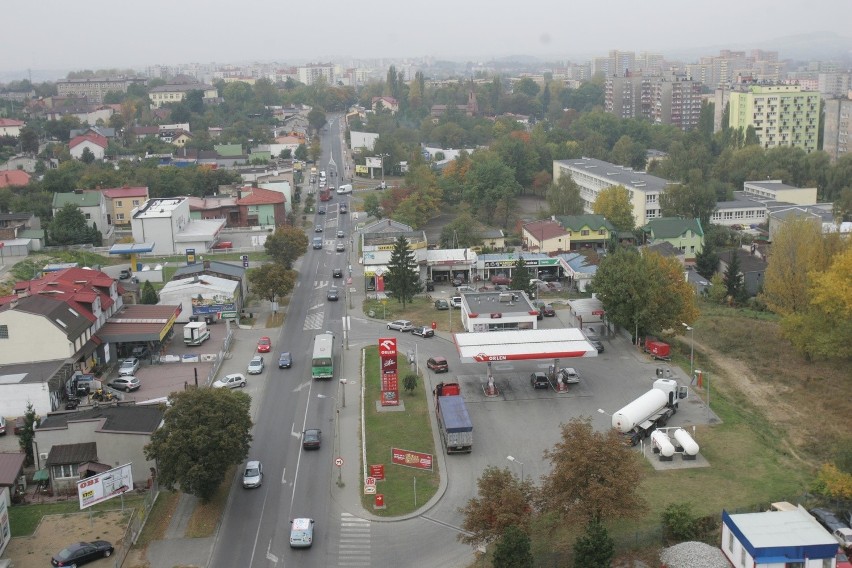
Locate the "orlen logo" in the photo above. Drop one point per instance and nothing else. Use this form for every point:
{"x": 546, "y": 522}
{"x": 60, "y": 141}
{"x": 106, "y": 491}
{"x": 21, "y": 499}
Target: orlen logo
{"x": 482, "y": 357}
{"x": 387, "y": 347}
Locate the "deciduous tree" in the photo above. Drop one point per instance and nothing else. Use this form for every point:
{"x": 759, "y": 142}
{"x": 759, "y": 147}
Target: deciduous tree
{"x": 461, "y": 232}
{"x": 614, "y": 204}
{"x": 689, "y": 201}
{"x": 272, "y": 281}
{"x": 286, "y": 244}
{"x": 563, "y": 197}
{"x": 502, "y": 501}
{"x": 69, "y": 227}
{"x": 403, "y": 278}
{"x": 204, "y": 433}
{"x": 583, "y": 484}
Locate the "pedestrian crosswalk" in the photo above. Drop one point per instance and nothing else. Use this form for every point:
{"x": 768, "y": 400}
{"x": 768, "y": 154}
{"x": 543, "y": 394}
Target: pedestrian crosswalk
{"x": 320, "y": 283}
{"x": 354, "y": 546}
{"x": 313, "y": 321}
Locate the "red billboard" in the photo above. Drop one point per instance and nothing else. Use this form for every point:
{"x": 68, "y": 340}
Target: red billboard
{"x": 377, "y": 471}
{"x": 411, "y": 459}
{"x": 387, "y": 347}
{"x": 390, "y": 381}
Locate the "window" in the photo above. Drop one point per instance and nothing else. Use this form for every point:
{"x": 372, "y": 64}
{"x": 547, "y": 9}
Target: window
{"x": 118, "y": 203}
{"x": 4, "y": 332}
{"x": 798, "y": 564}
{"x": 88, "y": 216}
{"x": 63, "y": 471}
{"x": 730, "y": 542}
{"x": 119, "y": 216}
{"x": 742, "y": 557}
{"x": 584, "y": 233}
{"x": 135, "y": 202}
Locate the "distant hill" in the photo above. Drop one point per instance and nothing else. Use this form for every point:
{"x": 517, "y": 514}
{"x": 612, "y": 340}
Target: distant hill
{"x": 810, "y": 46}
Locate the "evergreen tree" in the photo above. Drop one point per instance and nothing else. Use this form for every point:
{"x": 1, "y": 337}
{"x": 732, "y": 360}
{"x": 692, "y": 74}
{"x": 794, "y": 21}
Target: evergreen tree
{"x": 149, "y": 295}
{"x": 707, "y": 261}
{"x": 521, "y": 277}
{"x": 403, "y": 277}
{"x": 512, "y": 550}
{"x": 733, "y": 279}
{"x": 25, "y": 440}
{"x": 595, "y": 548}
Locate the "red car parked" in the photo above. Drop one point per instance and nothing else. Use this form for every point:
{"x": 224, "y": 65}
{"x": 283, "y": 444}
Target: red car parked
{"x": 264, "y": 345}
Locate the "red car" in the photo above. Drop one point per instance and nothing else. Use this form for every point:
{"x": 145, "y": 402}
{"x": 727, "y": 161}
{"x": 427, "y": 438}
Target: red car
{"x": 501, "y": 279}
{"x": 223, "y": 245}
{"x": 264, "y": 345}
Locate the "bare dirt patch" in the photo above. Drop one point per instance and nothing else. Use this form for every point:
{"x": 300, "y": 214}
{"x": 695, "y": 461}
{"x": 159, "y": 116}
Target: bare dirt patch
{"x": 55, "y": 532}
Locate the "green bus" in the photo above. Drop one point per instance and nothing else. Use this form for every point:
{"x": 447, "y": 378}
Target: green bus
{"x": 322, "y": 363}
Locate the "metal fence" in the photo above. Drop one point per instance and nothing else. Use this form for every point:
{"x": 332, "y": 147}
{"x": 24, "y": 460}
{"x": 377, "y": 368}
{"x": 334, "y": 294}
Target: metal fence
{"x": 137, "y": 520}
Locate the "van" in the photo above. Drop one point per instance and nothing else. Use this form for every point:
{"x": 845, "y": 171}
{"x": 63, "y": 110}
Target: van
{"x": 345, "y": 188}
{"x": 317, "y": 243}
{"x": 301, "y": 533}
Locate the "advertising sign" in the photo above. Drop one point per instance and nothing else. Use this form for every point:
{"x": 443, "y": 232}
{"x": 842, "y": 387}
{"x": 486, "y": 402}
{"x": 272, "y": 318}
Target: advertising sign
{"x": 5, "y": 530}
{"x": 389, "y": 364}
{"x": 373, "y": 162}
{"x": 362, "y": 170}
{"x": 411, "y": 459}
{"x": 387, "y": 347}
{"x": 390, "y": 381}
{"x": 377, "y": 471}
{"x": 104, "y": 486}
{"x": 190, "y": 256}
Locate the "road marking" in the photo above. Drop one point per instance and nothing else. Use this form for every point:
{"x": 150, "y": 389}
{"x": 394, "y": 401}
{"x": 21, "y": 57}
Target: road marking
{"x": 353, "y": 548}
{"x": 269, "y": 555}
{"x": 301, "y": 386}
{"x": 313, "y": 321}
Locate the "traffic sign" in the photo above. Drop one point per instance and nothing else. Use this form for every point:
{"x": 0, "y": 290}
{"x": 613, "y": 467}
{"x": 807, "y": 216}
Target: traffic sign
{"x": 245, "y": 260}
{"x": 370, "y": 481}
{"x": 338, "y": 462}
{"x": 369, "y": 490}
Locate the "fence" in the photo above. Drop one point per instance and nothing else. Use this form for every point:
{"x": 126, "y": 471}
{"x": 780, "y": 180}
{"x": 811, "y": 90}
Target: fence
{"x": 137, "y": 520}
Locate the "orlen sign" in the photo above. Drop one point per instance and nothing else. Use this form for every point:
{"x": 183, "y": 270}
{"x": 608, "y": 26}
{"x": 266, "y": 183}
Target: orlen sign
{"x": 483, "y": 358}
{"x": 387, "y": 347}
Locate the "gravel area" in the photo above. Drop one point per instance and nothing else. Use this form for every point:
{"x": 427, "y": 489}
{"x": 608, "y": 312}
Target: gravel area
{"x": 693, "y": 555}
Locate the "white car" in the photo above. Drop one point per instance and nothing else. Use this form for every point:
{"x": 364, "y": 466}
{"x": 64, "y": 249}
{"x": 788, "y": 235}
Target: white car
{"x": 232, "y": 381}
{"x": 301, "y": 533}
{"x": 255, "y": 366}
{"x": 344, "y": 189}
{"x": 456, "y": 301}
{"x": 401, "y": 325}
{"x": 125, "y": 383}
{"x": 128, "y": 367}
{"x": 253, "y": 474}
{"x": 569, "y": 375}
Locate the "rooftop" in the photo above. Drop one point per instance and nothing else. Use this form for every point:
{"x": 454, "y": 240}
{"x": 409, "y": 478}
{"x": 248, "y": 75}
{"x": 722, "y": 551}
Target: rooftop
{"x": 157, "y": 208}
{"x": 78, "y": 198}
{"x": 545, "y": 229}
{"x": 122, "y": 418}
{"x": 673, "y": 227}
{"x": 509, "y": 302}
{"x": 119, "y": 192}
{"x": 578, "y": 222}
{"x": 776, "y": 529}
{"x": 613, "y": 174}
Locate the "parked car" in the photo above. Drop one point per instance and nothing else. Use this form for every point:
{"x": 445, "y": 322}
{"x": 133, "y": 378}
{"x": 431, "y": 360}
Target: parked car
{"x": 82, "y": 553}
{"x": 442, "y": 305}
{"x": 255, "y": 366}
{"x": 594, "y": 340}
{"x": 430, "y": 286}
{"x": 223, "y": 245}
{"x": 438, "y": 364}
{"x": 20, "y": 424}
{"x": 539, "y": 307}
{"x": 332, "y": 295}
{"x": 124, "y": 274}
{"x": 570, "y": 375}
{"x": 253, "y": 474}
{"x": 312, "y": 439}
{"x": 337, "y": 273}
{"x": 500, "y": 279}
{"x": 464, "y": 288}
{"x": 548, "y": 311}
{"x": 264, "y": 345}
{"x": 301, "y": 533}
{"x": 827, "y": 519}
{"x": 140, "y": 351}
{"x": 2, "y": 426}
{"x": 423, "y": 331}
{"x": 539, "y": 380}
{"x": 458, "y": 281}
{"x": 232, "y": 381}
{"x": 129, "y": 366}
{"x": 125, "y": 383}
{"x": 285, "y": 361}
{"x": 401, "y": 325}
{"x": 456, "y": 302}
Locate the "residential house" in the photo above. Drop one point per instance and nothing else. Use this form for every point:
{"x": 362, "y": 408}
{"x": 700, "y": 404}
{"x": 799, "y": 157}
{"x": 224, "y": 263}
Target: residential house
{"x": 11, "y": 471}
{"x": 96, "y": 439}
{"x": 121, "y": 201}
{"x": 752, "y": 268}
{"x": 92, "y": 204}
{"x": 684, "y": 234}
{"x": 470, "y": 109}
{"x": 13, "y": 225}
{"x": 226, "y": 270}
{"x": 837, "y": 129}
{"x": 587, "y": 230}
{"x": 284, "y": 185}
{"x": 11, "y": 127}
{"x": 545, "y": 236}
{"x": 215, "y": 207}
{"x": 175, "y": 93}
{"x": 820, "y": 214}
{"x": 202, "y": 295}
{"x": 178, "y": 137}
{"x": 593, "y": 176}
{"x": 665, "y": 249}
{"x": 108, "y": 133}
{"x": 385, "y": 103}
{"x": 263, "y": 207}
{"x": 166, "y": 223}
{"x": 14, "y": 178}
{"x": 142, "y": 132}
{"x": 95, "y": 143}
{"x": 494, "y": 239}
{"x": 777, "y": 538}
{"x": 95, "y": 88}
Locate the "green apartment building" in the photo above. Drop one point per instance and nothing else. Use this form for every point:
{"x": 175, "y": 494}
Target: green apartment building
{"x": 782, "y": 115}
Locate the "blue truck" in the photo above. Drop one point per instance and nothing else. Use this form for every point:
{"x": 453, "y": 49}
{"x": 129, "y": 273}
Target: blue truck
{"x": 453, "y": 419}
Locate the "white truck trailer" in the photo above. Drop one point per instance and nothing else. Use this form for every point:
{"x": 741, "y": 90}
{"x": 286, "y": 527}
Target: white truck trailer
{"x": 654, "y": 408}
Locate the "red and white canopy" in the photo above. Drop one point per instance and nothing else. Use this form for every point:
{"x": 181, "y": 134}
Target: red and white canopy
{"x": 521, "y": 345}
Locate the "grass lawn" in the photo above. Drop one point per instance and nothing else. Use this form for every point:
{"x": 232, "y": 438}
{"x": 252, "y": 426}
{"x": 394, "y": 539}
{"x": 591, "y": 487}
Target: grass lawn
{"x": 159, "y": 518}
{"x": 25, "y": 518}
{"x": 206, "y": 516}
{"x": 409, "y": 430}
{"x": 421, "y": 311}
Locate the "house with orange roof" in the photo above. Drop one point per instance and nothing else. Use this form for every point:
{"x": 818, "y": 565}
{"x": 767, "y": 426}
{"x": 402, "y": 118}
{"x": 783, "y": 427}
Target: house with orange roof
{"x": 96, "y": 144}
{"x": 385, "y": 103}
{"x": 260, "y": 206}
{"x": 11, "y": 127}
{"x": 14, "y": 178}
{"x": 546, "y": 236}
{"x": 121, "y": 201}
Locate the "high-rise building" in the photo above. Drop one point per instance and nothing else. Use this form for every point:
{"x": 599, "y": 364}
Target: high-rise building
{"x": 309, "y": 74}
{"x": 663, "y": 100}
{"x": 650, "y": 64}
{"x": 837, "y": 129}
{"x": 621, "y": 62}
{"x": 832, "y": 85}
{"x": 782, "y": 115}
{"x": 95, "y": 88}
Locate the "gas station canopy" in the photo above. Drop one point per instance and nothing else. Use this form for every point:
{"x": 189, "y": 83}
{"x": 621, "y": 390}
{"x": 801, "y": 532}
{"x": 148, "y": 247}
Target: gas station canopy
{"x": 523, "y": 345}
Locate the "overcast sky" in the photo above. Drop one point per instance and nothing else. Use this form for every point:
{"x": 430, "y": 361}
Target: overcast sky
{"x": 96, "y": 34}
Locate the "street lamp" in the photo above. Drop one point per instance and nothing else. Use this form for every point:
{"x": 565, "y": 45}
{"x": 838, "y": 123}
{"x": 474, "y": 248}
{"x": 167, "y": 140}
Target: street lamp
{"x": 691, "y": 331}
{"x": 516, "y": 460}
{"x": 383, "y": 156}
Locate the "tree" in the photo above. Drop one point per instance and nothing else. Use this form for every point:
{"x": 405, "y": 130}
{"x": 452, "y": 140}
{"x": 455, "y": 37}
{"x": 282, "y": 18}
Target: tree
{"x": 563, "y": 197}
{"x": 316, "y": 118}
{"x": 679, "y": 522}
{"x": 717, "y": 292}
{"x": 29, "y": 140}
{"x": 834, "y": 483}
{"x": 595, "y": 548}
{"x": 689, "y": 201}
{"x": 614, "y": 204}
{"x": 87, "y": 157}
{"x": 373, "y": 205}
{"x": 69, "y": 227}
{"x": 25, "y": 441}
{"x": 301, "y": 152}
{"x": 272, "y": 281}
{"x": 286, "y": 244}
{"x": 409, "y": 382}
{"x": 502, "y": 501}
{"x": 521, "y": 277}
{"x": 403, "y": 276}
{"x": 461, "y": 232}
{"x": 707, "y": 261}
{"x": 583, "y": 485}
{"x": 149, "y": 295}
{"x": 204, "y": 432}
{"x": 734, "y": 286}
{"x": 512, "y": 550}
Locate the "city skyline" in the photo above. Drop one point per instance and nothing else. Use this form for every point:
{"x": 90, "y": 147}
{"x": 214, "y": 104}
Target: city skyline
{"x": 167, "y": 33}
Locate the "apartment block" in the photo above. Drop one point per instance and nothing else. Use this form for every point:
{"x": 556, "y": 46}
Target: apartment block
{"x": 309, "y": 74}
{"x": 837, "y": 129}
{"x": 782, "y": 115}
{"x": 94, "y": 89}
{"x": 674, "y": 101}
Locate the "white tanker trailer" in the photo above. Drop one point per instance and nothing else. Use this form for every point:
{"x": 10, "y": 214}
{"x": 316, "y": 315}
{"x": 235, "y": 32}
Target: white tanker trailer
{"x": 654, "y": 408}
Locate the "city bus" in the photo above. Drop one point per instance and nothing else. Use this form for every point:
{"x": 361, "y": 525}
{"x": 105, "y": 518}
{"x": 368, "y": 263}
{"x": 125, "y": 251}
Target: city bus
{"x": 322, "y": 362}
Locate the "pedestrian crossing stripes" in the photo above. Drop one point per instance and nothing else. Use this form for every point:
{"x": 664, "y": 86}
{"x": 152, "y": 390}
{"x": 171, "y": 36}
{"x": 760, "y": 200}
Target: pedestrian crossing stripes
{"x": 320, "y": 283}
{"x": 314, "y": 321}
{"x": 353, "y": 550}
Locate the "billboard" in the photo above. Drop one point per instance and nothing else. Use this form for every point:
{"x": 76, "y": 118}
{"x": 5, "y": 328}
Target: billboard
{"x": 104, "y": 486}
{"x": 411, "y": 459}
{"x": 5, "y": 530}
{"x": 373, "y": 162}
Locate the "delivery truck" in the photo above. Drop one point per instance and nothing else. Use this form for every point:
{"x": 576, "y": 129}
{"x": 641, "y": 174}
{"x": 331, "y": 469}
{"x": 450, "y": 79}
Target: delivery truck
{"x": 453, "y": 419}
{"x": 195, "y": 333}
{"x": 641, "y": 417}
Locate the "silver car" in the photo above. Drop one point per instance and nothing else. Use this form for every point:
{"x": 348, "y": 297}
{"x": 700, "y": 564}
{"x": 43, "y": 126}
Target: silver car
{"x": 128, "y": 367}
{"x": 125, "y": 383}
{"x": 232, "y": 381}
{"x": 255, "y": 366}
{"x": 253, "y": 474}
{"x": 401, "y": 325}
